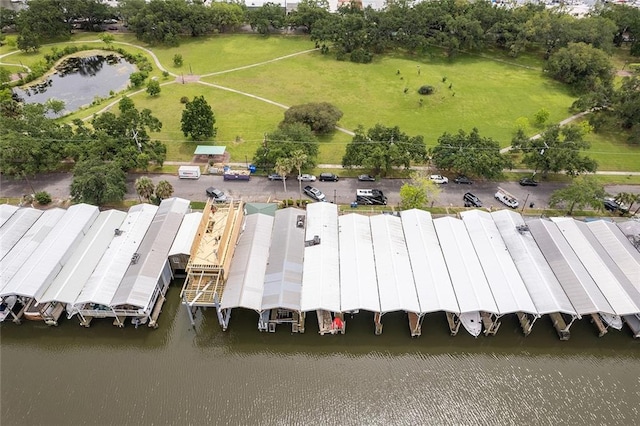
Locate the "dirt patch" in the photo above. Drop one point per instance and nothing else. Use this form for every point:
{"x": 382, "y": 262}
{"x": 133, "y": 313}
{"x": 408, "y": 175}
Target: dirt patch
{"x": 624, "y": 73}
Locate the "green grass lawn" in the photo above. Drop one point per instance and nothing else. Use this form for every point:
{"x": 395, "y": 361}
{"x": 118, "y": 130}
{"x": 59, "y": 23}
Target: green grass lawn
{"x": 478, "y": 92}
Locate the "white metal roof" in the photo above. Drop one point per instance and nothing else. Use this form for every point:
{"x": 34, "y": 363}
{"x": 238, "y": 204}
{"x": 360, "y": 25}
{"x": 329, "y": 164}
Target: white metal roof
{"x": 245, "y": 281}
{"x": 393, "y": 267}
{"x": 67, "y": 285}
{"x": 506, "y": 285}
{"x": 283, "y": 278}
{"x": 142, "y": 277}
{"x": 595, "y": 265}
{"x": 631, "y": 229}
{"x": 321, "y": 267}
{"x": 6, "y": 211}
{"x": 584, "y": 294}
{"x": 470, "y": 284}
{"x": 542, "y": 284}
{"x": 14, "y": 228}
{"x": 433, "y": 284}
{"x": 186, "y": 234}
{"x": 623, "y": 253}
{"x": 46, "y": 261}
{"x": 358, "y": 279}
{"x": 29, "y": 242}
{"x": 104, "y": 281}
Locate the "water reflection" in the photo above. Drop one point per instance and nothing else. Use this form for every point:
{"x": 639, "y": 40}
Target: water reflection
{"x": 77, "y": 81}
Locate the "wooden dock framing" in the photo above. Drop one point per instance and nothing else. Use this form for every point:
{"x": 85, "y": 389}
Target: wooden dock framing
{"x": 210, "y": 256}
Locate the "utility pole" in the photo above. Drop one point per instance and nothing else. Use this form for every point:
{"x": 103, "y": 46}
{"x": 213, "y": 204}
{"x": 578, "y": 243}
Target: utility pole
{"x": 525, "y": 203}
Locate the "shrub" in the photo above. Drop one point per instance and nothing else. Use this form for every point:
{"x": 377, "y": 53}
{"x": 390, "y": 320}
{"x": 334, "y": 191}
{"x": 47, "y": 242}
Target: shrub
{"x": 43, "y": 197}
{"x": 137, "y": 78}
{"x": 177, "y": 60}
{"x": 184, "y": 99}
{"x": 426, "y": 90}
{"x": 165, "y": 74}
{"x": 361, "y": 56}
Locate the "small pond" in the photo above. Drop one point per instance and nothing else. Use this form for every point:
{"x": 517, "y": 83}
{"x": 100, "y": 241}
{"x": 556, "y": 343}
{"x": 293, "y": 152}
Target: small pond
{"x": 77, "y": 81}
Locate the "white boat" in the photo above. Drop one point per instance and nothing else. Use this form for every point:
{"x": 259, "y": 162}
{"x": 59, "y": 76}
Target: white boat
{"x": 472, "y": 322}
{"x": 6, "y": 306}
{"x": 613, "y": 321}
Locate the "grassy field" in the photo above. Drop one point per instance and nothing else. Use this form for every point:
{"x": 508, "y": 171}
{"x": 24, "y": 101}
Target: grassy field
{"x": 471, "y": 91}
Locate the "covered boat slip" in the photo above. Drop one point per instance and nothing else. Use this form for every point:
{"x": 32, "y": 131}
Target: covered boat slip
{"x": 546, "y": 292}
{"x": 30, "y": 241}
{"x": 620, "y": 292}
{"x": 67, "y": 285}
{"x": 508, "y": 289}
{"x": 141, "y": 292}
{"x": 433, "y": 284}
{"x": 469, "y": 282}
{"x": 245, "y": 282}
{"x": 582, "y": 291}
{"x": 358, "y": 279}
{"x": 211, "y": 254}
{"x": 321, "y": 267}
{"x": 283, "y": 275}
{"x": 616, "y": 245}
{"x": 396, "y": 286}
{"x": 15, "y": 227}
{"x": 6, "y": 211}
{"x": 40, "y": 269}
{"x": 181, "y": 247}
{"x": 95, "y": 298}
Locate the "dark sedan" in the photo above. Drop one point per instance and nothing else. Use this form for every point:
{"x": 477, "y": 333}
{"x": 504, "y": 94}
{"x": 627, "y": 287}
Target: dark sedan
{"x": 463, "y": 180}
{"x": 528, "y": 182}
{"x": 366, "y": 178}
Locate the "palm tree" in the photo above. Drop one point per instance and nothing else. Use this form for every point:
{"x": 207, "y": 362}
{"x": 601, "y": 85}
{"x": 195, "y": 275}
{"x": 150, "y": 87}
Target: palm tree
{"x": 283, "y": 166}
{"x": 627, "y": 199}
{"x": 144, "y": 188}
{"x": 298, "y": 158}
{"x": 164, "y": 190}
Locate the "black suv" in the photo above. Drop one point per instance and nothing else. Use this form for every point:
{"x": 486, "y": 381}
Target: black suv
{"x": 528, "y": 182}
{"x": 330, "y": 177}
{"x": 471, "y": 200}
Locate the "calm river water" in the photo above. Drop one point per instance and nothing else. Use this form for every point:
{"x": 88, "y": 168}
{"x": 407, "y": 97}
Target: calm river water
{"x": 181, "y": 375}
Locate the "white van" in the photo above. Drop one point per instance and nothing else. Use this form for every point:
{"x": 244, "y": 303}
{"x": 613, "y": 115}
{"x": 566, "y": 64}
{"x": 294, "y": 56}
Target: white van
{"x": 189, "y": 172}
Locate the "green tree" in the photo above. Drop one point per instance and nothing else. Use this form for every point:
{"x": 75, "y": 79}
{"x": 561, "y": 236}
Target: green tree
{"x": 177, "y": 60}
{"x": 283, "y": 167}
{"x": 282, "y": 142}
{"x": 558, "y": 149}
{"x": 470, "y": 154}
{"x": 137, "y": 78}
{"x": 321, "y": 117}
{"x": 541, "y": 117}
{"x": 164, "y": 190}
{"x": 153, "y": 88}
{"x": 226, "y": 16}
{"x": 307, "y": 13}
{"x": 144, "y": 187}
{"x": 628, "y": 199}
{"x": 382, "y": 148}
{"x": 30, "y": 142}
{"x": 96, "y": 182}
{"x": 269, "y": 17}
{"x": 417, "y": 193}
{"x": 56, "y": 106}
{"x": 198, "y": 119}
{"x": 583, "y": 67}
{"x": 583, "y": 191}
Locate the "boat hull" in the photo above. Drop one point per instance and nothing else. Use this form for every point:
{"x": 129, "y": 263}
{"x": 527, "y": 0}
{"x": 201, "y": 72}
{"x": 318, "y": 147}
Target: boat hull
{"x": 472, "y": 323}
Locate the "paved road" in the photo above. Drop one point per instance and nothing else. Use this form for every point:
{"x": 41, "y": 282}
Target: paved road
{"x": 260, "y": 189}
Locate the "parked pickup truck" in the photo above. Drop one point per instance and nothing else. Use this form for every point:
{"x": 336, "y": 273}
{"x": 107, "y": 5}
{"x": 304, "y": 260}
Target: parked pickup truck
{"x": 507, "y": 199}
{"x": 237, "y": 175}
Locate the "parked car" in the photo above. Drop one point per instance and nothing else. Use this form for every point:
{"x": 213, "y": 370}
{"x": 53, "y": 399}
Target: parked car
{"x": 528, "y": 182}
{"x": 439, "y": 179}
{"x": 328, "y": 177}
{"x": 217, "y": 195}
{"x": 610, "y": 205}
{"x": 275, "y": 176}
{"x": 306, "y": 178}
{"x": 471, "y": 200}
{"x": 366, "y": 178}
{"x": 463, "y": 180}
{"x": 314, "y": 193}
